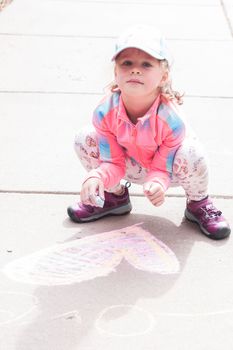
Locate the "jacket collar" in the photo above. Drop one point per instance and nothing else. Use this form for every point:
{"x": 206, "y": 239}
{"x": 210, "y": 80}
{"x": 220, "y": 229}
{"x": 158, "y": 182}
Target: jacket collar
{"x": 151, "y": 112}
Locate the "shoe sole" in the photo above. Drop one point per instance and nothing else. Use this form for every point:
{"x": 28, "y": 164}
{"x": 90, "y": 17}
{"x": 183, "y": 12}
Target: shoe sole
{"x": 123, "y": 210}
{"x": 215, "y": 236}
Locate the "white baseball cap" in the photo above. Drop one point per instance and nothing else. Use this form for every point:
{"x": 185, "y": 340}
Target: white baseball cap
{"x": 145, "y": 38}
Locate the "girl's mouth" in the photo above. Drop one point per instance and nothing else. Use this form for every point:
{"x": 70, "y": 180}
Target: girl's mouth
{"x": 134, "y": 81}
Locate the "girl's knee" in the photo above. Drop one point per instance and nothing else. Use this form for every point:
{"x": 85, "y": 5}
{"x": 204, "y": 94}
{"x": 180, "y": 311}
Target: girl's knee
{"x": 86, "y": 148}
{"x": 190, "y": 158}
{"x": 87, "y": 137}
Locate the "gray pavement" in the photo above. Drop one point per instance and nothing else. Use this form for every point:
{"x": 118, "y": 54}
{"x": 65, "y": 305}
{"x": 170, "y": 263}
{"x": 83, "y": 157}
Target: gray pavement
{"x": 177, "y": 291}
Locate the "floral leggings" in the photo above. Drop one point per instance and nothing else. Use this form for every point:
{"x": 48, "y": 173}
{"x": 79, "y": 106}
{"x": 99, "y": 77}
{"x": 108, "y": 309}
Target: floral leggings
{"x": 189, "y": 167}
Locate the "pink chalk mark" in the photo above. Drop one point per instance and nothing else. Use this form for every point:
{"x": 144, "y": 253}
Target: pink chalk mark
{"x": 94, "y": 256}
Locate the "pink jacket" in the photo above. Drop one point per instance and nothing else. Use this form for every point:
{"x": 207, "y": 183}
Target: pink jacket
{"x": 152, "y": 142}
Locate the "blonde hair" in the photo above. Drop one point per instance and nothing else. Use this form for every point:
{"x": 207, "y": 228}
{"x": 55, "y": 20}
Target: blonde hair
{"x": 166, "y": 90}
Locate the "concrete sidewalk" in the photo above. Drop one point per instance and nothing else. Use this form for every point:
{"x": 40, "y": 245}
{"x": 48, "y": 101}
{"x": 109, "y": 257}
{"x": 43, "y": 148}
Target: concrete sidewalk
{"x": 54, "y": 67}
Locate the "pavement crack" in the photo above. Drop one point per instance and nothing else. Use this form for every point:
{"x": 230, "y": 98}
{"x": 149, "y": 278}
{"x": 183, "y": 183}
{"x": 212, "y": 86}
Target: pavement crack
{"x": 226, "y": 16}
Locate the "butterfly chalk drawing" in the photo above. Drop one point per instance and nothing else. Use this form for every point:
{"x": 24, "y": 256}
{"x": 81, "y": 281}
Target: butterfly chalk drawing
{"x": 94, "y": 256}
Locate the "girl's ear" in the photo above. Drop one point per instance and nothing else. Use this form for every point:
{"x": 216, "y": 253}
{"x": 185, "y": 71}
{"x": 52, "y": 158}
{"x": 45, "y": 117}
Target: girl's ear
{"x": 165, "y": 77}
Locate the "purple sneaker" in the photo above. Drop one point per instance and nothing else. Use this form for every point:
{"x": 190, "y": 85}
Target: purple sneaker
{"x": 113, "y": 205}
{"x": 210, "y": 220}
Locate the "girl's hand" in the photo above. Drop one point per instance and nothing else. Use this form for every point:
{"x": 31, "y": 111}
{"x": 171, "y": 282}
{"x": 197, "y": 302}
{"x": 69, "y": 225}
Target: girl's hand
{"x": 90, "y": 189}
{"x": 154, "y": 192}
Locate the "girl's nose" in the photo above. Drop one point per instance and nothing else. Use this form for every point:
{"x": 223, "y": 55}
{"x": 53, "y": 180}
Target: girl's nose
{"x": 135, "y": 71}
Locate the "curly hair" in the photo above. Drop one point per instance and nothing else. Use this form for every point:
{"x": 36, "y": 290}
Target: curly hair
{"x": 166, "y": 90}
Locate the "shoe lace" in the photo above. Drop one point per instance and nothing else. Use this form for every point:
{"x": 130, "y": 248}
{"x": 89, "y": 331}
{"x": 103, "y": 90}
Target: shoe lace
{"x": 210, "y": 212}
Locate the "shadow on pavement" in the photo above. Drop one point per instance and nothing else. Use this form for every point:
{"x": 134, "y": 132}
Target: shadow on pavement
{"x": 67, "y": 314}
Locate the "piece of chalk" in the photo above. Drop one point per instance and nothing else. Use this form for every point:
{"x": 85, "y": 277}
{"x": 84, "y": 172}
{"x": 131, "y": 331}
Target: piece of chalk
{"x": 99, "y": 201}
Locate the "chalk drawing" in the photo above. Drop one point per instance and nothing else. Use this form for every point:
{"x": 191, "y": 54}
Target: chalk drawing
{"x": 195, "y": 314}
{"x": 8, "y": 316}
{"x": 130, "y": 320}
{"x": 134, "y": 321}
{"x": 94, "y": 256}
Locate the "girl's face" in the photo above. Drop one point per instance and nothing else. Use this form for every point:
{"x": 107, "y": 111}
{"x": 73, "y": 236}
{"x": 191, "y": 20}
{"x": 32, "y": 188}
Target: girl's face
{"x": 138, "y": 74}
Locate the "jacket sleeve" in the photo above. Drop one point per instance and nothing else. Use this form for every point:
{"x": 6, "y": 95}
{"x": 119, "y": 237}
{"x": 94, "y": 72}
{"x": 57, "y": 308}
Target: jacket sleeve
{"x": 172, "y": 131}
{"x": 112, "y": 157}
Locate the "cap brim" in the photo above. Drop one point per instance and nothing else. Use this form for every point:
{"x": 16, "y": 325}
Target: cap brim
{"x": 148, "y": 51}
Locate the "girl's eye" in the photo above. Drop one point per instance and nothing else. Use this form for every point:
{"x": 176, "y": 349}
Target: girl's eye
{"x": 147, "y": 64}
{"x": 126, "y": 63}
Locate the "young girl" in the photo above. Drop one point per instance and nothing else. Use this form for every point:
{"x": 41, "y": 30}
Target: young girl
{"x": 139, "y": 136}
